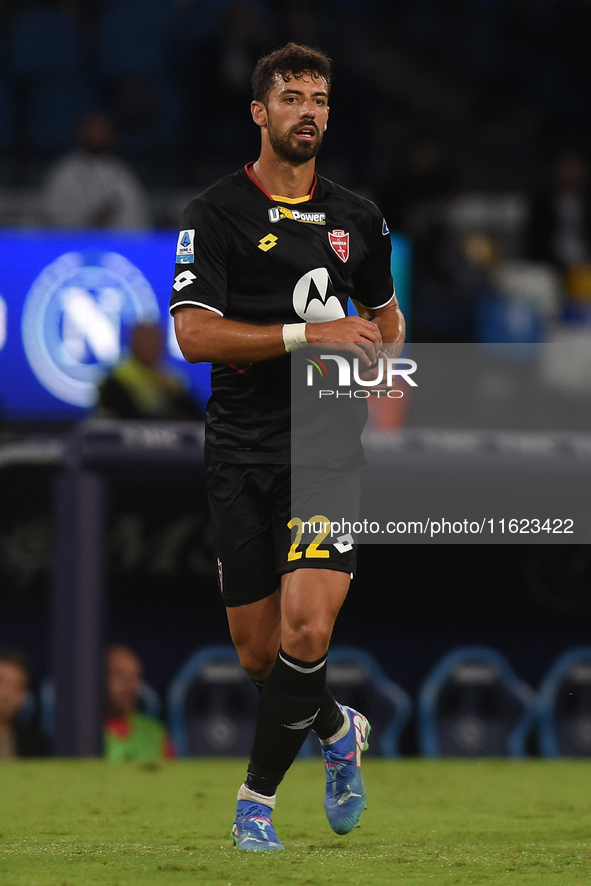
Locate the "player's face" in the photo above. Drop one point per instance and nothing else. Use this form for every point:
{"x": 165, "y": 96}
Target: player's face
{"x": 296, "y": 117}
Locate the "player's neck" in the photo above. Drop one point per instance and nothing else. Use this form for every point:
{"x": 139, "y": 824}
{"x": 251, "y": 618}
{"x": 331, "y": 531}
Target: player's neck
{"x": 281, "y": 178}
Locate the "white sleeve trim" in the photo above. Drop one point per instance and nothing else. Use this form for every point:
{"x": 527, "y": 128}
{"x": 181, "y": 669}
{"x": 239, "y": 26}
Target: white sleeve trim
{"x": 197, "y": 304}
{"x": 375, "y": 307}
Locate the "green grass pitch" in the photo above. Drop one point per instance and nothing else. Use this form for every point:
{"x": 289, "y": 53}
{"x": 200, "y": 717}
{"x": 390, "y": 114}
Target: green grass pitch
{"x": 81, "y": 823}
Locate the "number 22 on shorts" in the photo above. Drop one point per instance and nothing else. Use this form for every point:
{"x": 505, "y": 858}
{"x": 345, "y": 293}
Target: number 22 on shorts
{"x": 312, "y": 552}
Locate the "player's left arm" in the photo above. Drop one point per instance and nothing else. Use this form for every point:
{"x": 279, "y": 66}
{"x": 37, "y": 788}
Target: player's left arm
{"x": 373, "y": 288}
{"x": 390, "y": 321}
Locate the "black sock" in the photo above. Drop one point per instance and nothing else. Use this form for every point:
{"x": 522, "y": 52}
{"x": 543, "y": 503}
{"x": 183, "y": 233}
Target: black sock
{"x": 288, "y": 706}
{"x": 330, "y": 717}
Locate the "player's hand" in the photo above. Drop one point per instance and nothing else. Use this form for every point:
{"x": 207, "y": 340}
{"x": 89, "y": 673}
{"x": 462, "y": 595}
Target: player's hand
{"x": 359, "y": 337}
{"x": 373, "y": 372}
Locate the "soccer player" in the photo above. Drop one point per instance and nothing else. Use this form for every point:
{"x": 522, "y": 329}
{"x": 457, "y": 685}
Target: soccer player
{"x": 266, "y": 261}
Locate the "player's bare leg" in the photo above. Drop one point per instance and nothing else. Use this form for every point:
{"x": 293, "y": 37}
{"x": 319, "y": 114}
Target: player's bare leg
{"x": 301, "y": 622}
{"x": 256, "y": 633}
{"x": 310, "y": 602}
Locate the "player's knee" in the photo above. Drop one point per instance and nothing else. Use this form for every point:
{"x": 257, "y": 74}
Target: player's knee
{"x": 308, "y": 641}
{"x": 256, "y": 662}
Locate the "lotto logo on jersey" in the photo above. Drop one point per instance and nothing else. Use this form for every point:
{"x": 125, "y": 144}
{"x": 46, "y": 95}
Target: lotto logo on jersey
{"x": 276, "y": 213}
{"x": 339, "y": 240}
{"x": 185, "y": 249}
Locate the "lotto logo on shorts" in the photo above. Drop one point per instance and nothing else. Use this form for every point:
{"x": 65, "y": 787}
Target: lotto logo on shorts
{"x": 220, "y": 574}
{"x": 344, "y": 543}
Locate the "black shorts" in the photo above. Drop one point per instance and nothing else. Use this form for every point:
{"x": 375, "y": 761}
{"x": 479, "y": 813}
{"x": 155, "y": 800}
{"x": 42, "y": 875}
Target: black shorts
{"x": 250, "y": 507}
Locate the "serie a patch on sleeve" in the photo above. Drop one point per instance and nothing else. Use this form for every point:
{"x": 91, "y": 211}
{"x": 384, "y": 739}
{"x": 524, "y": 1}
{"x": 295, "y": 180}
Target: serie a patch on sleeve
{"x": 185, "y": 249}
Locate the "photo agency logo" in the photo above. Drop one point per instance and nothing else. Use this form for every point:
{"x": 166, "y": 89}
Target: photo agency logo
{"x": 356, "y": 380}
{"x": 74, "y": 317}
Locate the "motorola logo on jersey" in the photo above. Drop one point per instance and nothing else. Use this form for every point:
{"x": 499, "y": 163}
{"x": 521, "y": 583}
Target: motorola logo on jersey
{"x": 314, "y": 298}
{"x": 74, "y": 316}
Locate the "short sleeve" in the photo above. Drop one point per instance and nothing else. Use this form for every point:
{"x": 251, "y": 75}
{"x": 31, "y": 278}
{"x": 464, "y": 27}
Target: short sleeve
{"x": 372, "y": 281}
{"x": 200, "y": 276}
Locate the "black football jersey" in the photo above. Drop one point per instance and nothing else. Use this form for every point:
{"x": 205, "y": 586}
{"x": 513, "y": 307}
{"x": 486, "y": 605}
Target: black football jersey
{"x": 251, "y": 257}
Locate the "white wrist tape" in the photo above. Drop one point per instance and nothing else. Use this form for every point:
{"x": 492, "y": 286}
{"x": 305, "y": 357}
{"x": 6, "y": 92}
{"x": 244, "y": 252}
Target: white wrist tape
{"x": 294, "y": 336}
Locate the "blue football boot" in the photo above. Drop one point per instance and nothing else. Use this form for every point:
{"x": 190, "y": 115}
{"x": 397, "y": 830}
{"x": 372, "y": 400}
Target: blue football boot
{"x": 253, "y": 830}
{"x": 344, "y": 799}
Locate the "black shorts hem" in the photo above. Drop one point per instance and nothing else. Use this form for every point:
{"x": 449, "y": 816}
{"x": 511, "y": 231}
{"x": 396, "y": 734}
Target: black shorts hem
{"x": 317, "y": 564}
{"x": 230, "y": 602}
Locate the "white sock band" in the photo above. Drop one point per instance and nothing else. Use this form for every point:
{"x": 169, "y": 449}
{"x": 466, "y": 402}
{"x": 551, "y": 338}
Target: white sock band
{"x": 301, "y": 670}
{"x": 341, "y": 733}
{"x": 245, "y": 793}
{"x": 294, "y": 336}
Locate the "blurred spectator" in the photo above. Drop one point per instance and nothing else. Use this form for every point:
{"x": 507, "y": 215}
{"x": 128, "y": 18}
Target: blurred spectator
{"x": 416, "y": 196}
{"x": 91, "y": 187}
{"x": 131, "y": 736}
{"x": 559, "y": 229}
{"x": 18, "y": 738}
{"x": 227, "y": 59}
{"x": 141, "y": 387}
{"x": 447, "y": 282}
{"x": 301, "y": 22}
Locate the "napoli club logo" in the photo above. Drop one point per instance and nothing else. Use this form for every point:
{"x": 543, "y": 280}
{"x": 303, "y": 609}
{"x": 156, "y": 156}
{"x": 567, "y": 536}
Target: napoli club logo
{"x": 339, "y": 240}
{"x": 74, "y": 317}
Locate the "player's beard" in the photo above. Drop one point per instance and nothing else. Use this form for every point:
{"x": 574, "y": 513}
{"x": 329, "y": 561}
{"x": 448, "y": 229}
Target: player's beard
{"x": 293, "y": 151}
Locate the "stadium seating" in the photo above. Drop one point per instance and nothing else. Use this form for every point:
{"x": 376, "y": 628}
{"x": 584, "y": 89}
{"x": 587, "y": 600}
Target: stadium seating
{"x": 26, "y": 713}
{"x": 149, "y": 704}
{"x": 473, "y": 705}
{"x": 7, "y": 115}
{"x": 44, "y": 42}
{"x": 134, "y": 38}
{"x": 212, "y": 705}
{"x": 56, "y": 106}
{"x": 47, "y": 61}
{"x": 500, "y": 320}
{"x": 357, "y": 680}
{"x": 564, "y": 706}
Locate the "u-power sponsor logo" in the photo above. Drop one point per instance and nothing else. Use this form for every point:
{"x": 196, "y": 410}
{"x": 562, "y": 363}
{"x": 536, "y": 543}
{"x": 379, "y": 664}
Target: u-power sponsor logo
{"x": 351, "y": 381}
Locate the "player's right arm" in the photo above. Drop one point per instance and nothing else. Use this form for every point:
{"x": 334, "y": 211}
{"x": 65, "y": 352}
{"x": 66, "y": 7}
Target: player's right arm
{"x": 205, "y": 336}
{"x": 199, "y": 302}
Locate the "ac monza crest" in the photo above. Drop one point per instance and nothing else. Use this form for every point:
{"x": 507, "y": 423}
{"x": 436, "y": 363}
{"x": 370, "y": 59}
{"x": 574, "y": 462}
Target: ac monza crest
{"x": 339, "y": 240}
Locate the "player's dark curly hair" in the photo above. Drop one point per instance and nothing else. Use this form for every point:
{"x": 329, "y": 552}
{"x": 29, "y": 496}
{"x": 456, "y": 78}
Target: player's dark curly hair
{"x": 291, "y": 60}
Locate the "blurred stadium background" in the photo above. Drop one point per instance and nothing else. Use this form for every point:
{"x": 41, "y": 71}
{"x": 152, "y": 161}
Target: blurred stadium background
{"x": 467, "y": 122}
